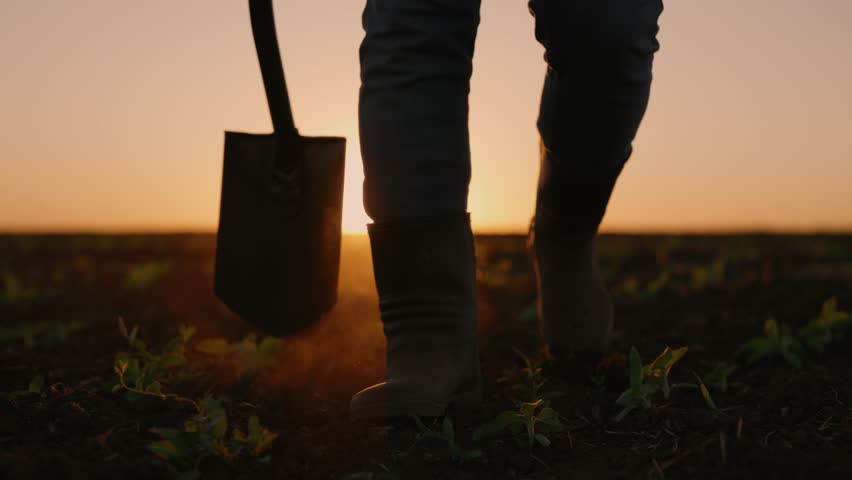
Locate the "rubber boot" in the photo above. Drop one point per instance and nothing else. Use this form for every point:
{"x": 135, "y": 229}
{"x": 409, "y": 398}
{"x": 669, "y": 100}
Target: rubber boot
{"x": 575, "y": 309}
{"x": 426, "y": 280}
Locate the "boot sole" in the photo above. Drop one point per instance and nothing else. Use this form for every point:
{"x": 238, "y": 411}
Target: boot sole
{"x": 460, "y": 402}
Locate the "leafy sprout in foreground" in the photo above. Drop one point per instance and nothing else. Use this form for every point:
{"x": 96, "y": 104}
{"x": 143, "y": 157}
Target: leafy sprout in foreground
{"x": 207, "y": 434}
{"x": 529, "y": 378}
{"x": 35, "y": 386}
{"x": 143, "y": 372}
{"x": 447, "y": 435}
{"x": 649, "y": 380}
{"x": 530, "y": 425}
{"x": 718, "y": 378}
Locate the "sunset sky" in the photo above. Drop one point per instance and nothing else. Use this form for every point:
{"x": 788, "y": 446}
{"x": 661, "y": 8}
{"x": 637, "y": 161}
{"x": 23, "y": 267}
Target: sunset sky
{"x": 113, "y": 112}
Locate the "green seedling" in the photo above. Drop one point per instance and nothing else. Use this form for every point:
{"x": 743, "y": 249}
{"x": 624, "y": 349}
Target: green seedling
{"x": 15, "y": 295}
{"x": 447, "y": 435}
{"x": 830, "y": 326}
{"x": 206, "y": 434}
{"x": 705, "y": 394}
{"x": 777, "y": 341}
{"x": 531, "y": 380}
{"x": 143, "y": 372}
{"x": 36, "y": 386}
{"x": 717, "y": 379}
{"x": 143, "y": 276}
{"x": 247, "y": 355}
{"x": 712, "y": 275}
{"x": 47, "y": 333}
{"x": 632, "y": 286}
{"x": 646, "y": 381}
{"x": 658, "y": 285}
{"x": 529, "y": 425}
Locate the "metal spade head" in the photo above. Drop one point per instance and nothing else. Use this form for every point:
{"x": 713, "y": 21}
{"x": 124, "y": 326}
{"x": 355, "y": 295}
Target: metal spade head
{"x": 278, "y": 247}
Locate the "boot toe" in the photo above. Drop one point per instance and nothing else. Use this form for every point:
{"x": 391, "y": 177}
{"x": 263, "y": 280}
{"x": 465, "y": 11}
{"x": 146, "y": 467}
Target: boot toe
{"x": 391, "y": 399}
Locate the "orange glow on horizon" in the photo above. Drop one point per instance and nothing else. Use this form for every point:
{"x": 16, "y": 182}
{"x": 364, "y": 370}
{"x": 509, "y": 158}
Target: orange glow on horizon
{"x": 113, "y": 114}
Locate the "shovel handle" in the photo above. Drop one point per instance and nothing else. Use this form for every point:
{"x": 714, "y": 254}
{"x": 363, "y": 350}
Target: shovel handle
{"x": 272, "y": 70}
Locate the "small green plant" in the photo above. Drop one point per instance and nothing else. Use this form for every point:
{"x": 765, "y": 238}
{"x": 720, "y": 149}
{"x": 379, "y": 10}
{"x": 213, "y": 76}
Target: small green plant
{"x": 713, "y": 275}
{"x": 14, "y": 294}
{"x": 143, "y": 372}
{"x": 777, "y": 341}
{"x": 205, "y": 434}
{"x": 247, "y": 355}
{"x": 830, "y": 326}
{"x": 705, "y": 394}
{"x": 529, "y": 425}
{"x": 35, "y": 386}
{"x": 658, "y": 285}
{"x": 46, "y": 333}
{"x": 717, "y": 379}
{"x": 528, "y": 377}
{"x": 632, "y": 286}
{"x": 646, "y": 381}
{"x": 649, "y": 380}
{"x": 143, "y": 276}
{"x": 447, "y": 434}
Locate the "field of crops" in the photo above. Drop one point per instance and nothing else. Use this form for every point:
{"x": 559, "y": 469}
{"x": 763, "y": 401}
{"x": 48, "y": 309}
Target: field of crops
{"x": 731, "y": 360}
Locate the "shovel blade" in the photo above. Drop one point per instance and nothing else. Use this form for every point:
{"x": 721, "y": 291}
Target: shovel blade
{"x": 278, "y": 253}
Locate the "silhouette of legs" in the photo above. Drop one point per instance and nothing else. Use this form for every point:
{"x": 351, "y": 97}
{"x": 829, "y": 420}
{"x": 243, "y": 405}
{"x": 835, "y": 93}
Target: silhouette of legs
{"x": 599, "y": 55}
{"x": 415, "y": 70}
{"x": 415, "y": 73}
{"x": 416, "y": 62}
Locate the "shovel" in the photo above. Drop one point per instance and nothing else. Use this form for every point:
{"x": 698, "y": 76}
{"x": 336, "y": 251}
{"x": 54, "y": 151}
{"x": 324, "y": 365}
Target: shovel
{"x": 278, "y": 244}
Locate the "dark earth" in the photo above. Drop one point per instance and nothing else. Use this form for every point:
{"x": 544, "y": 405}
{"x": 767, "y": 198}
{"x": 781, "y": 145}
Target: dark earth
{"x": 61, "y": 296}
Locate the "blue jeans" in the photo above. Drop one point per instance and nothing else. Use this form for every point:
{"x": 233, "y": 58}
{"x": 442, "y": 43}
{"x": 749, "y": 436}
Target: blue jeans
{"x": 416, "y": 63}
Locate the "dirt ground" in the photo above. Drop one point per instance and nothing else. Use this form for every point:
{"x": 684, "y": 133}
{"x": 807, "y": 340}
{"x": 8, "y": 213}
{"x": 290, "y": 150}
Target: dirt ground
{"x": 62, "y": 415}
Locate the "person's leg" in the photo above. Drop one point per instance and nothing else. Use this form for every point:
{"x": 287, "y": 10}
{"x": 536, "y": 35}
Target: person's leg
{"x": 415, "y": 73}
{"x": 416, "y": 63}
{"x": 599, "y": 55}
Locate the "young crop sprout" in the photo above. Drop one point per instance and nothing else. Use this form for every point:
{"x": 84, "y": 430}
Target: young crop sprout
{"x": 143, "y": 372}
{"x": 777, "y": 341}
{"x": 205, "y": 434}
{"x": 143, "y": 276}
{"x": 717, "y": 379}
{"x": 829, "y": 327}
{"x": 649, "y": 380}
{"x": 447, "y": 434}
{"x": 530, "y": 425}
{"x": 15, "y": 295}
{"x": 35, "y": 386}
{"x": 244, "y": 357}
{"x": 712, "y": 275}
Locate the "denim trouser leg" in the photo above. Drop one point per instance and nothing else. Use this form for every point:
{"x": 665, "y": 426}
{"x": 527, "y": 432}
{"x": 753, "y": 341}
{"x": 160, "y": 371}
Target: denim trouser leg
{"x": 599, "y": 55}
{"x": 415, "y": 78}
{"x": 415, "y": 72}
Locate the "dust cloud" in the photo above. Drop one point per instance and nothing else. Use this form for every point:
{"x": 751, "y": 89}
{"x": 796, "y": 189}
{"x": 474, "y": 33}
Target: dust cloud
{"x": 344, "y": 351}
